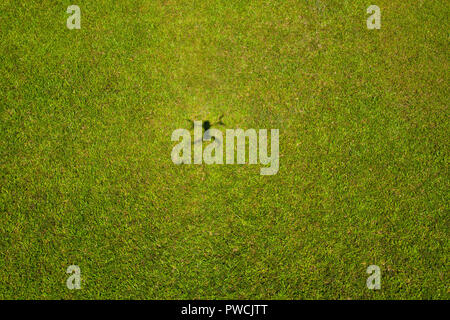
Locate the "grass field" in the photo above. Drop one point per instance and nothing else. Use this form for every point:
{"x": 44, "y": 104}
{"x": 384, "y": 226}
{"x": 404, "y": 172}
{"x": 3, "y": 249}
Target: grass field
{"x": 86, "y": 176}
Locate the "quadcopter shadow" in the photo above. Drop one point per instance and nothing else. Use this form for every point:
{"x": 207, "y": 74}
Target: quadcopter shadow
{"x": 206, "y": 125}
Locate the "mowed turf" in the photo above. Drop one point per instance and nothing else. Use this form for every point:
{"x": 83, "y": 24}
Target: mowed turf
{"x": 86, "y": 176}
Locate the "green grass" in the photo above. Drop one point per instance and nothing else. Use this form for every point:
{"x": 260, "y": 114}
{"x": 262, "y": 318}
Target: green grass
{"x": 86, "y": 176}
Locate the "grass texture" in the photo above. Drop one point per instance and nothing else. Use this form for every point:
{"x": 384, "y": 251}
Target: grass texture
{"x": 86, "y": 176}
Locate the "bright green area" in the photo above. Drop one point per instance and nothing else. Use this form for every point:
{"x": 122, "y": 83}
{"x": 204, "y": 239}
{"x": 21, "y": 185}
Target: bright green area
{"x": 86, "y": 176}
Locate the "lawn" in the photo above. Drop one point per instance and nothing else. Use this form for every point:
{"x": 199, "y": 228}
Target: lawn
{"x": 86, "y": 176}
